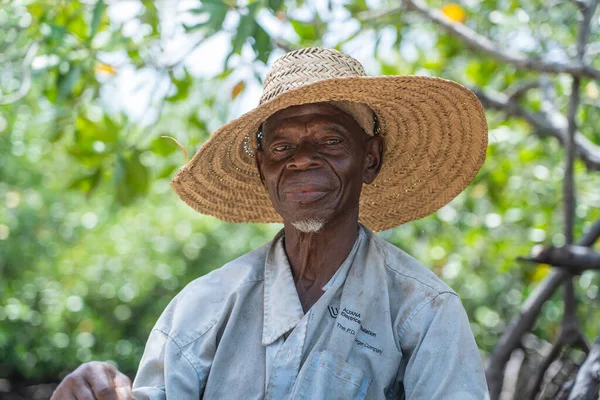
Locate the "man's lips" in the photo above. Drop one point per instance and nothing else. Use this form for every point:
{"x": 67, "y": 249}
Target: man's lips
{"x": 305, "y": 195}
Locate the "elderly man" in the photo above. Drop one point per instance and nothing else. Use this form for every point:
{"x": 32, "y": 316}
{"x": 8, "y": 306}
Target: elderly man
{"x": 326, "y": 310}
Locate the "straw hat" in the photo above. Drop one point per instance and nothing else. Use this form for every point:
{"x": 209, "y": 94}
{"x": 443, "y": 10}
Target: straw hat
{"x": 435, "y": 136}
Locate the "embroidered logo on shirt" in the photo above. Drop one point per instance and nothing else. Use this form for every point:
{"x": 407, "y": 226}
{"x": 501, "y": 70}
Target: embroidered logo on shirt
{"x": 351, "y": 315}
{"x": 354, "y": 316}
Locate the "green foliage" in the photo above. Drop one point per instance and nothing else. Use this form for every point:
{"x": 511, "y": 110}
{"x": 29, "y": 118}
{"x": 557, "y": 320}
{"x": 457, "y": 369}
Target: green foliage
{"x": 93, "y": 244}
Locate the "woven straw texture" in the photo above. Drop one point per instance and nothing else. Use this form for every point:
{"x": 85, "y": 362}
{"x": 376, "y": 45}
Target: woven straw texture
{"x": 435, "y": 136}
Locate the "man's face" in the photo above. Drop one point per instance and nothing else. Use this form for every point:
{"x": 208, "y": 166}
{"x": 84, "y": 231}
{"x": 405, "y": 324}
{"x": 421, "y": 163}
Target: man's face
{"x": 314, "y": 160}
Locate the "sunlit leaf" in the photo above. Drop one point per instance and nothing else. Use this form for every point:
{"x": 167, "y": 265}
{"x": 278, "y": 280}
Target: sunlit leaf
{"x": 591, "y": 90}
{"x": 77, "y": 26}
{"x": 305, "y": 30}
{"x": 540, "y": 272}
{"x": 237, "y": 89}
{"x": 105, "y": 69}
{"x": 166, "y": 172}
{"x": 454, "y": 12}
{"x": 150, "y": 15}
{"x": 163, "y": 146}
{"x": 182, "y": 86}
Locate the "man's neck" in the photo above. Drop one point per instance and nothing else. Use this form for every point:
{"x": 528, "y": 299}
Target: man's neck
{"x": 315, "y": 257}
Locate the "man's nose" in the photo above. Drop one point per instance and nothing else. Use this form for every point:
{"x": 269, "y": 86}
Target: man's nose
{"x": 305, "y": 157}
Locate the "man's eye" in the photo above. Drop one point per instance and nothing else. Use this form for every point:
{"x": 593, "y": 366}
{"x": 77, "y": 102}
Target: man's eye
{"x": 332, "y": 142}
{"x": 281, "y": 147}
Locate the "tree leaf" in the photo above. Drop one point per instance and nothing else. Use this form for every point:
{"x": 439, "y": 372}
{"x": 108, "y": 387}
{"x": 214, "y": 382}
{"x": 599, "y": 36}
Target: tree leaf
{"x": 150, "y": 15}
{"x": 305, "y": 30}
{"x": 137, "y": 174}
{"x": 237, "y": 89}
{"x": 87, "y": 183}
{"x": 166, "y": 172}
{"x": 454, "y": 12}
{"x": 66, "y": 83}
{"x": 274, "y": 5}
{"x": 97, "y": 17}
{"x": 215, "y": 10}
{"x": 131, "y": 178}
{"x": 163, "y": 146}
{"x": 245, "y": 30}
{"x": 262, "y": 44}
{"x": 182, "y": 85}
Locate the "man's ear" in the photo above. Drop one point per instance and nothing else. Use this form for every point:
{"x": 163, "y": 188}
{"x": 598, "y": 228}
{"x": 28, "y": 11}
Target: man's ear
{"x": 258, "y": 159}
{"x": 373, "y": 158}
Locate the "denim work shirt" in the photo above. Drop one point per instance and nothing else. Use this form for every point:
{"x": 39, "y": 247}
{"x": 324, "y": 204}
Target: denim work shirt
{"x": 385, "y": 327}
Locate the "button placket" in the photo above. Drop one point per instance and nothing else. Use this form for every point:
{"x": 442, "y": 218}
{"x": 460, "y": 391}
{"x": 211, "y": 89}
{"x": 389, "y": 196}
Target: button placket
{"x": 286, "y": 363}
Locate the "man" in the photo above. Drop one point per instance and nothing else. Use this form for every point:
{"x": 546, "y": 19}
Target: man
{"x": 327, "y": 310}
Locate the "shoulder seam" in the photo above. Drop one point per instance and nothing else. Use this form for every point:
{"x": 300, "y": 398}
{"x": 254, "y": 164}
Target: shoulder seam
{"x": 417, "y": 310}
{"x": 408, "y": 276}
{"x": 211, "y": 323}
{"x": 181, "y": 351}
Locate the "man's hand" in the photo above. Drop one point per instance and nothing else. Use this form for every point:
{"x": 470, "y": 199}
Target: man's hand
{"x": 94, "y": 380}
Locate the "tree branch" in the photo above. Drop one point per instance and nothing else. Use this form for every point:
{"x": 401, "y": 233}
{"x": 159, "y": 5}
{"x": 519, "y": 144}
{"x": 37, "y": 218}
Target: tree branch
{"x": 284, "y": 45}
{"x": 585, "y": 149}
{"x": 575, "y": 259}
{"x": 569, "y": 198}
{"x": 570, "y": 336}
{"x": 481, "y": 43}
{"x": 580, "y": 3}
{"x": 588, "y": 376}
{"x": 570, "y": 333}
{"x": 26, "y": 84}
{"x": 515, "y": 93}
{"x": 564, "y": 391}
{"x": 591, "y": 235}
{"x": 524, "y": 321}
{"x": 549, "y": 359}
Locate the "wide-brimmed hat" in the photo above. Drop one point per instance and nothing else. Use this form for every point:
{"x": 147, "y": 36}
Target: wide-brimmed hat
{"x": 434, "y": 129}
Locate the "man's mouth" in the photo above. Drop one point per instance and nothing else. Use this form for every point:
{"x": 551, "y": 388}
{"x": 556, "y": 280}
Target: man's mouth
{"x": 305, "y": 195}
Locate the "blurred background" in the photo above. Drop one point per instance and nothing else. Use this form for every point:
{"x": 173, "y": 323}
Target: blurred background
{"x": 94, "y": 244}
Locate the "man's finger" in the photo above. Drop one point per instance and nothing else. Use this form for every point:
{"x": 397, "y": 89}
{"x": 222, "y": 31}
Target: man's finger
{"x": 73, "y": 388}
{"x": 100, "y": 378}
{"x": 82, "y": 391}
{"x": 61, "y": 393}
{"x": 123, "y": 384}
{"x": 125, "y": 394}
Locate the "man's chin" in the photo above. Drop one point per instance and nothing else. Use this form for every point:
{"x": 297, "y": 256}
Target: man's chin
{"x": 309, "y": 225}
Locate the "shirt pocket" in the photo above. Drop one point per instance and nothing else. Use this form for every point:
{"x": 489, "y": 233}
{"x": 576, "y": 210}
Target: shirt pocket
{"x": 328, "y": 377}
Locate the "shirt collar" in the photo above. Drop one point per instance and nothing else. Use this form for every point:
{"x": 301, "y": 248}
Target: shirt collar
{"x": 282, "y": 307}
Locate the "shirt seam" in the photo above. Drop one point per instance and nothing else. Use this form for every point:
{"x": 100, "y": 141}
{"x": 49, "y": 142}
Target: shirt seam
{"x": 214, "y": 320}
{"x": 417, "y": 310}
{"x": 407, "y": 276}
{"x": 211, "y": 325}
{"x": 181, "y": 350}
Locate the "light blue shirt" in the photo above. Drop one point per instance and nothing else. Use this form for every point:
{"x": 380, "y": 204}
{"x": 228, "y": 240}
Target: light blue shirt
{"x": 385, "y": 327}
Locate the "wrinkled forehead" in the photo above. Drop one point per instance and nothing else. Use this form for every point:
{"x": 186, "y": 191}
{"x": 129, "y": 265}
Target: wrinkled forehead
{"x": 313, "y": 113}
{"x": 306, "y": 111}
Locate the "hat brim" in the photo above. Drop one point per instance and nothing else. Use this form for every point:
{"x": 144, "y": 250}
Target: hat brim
{"x": 435, "y": 143}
